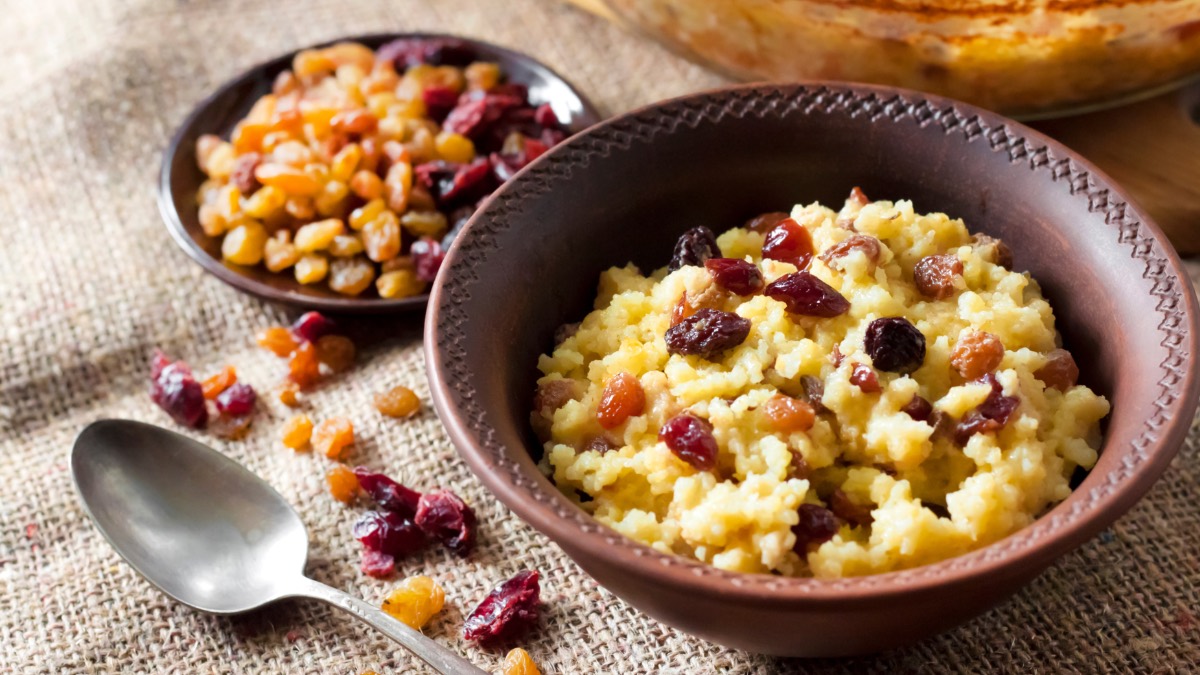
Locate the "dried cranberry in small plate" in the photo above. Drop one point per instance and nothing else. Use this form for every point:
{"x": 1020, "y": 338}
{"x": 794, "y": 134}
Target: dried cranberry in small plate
{"x": 238, "y": 399}
{"x": 377, "y": 564}
{"x": 427, "y": 255}
{"x": 311, "y": 326}
{"x": 507, "y": 612}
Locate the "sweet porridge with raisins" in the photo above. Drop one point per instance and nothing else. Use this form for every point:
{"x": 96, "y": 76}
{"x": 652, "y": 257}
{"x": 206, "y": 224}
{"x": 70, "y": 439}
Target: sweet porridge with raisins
{"x": 818, "y": 393}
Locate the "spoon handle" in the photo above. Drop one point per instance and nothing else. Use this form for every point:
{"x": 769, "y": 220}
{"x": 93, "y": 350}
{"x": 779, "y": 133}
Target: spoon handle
{"x": 438, "y": 657}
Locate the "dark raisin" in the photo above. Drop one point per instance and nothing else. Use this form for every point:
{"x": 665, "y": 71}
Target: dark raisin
{"x": 1060, "y": 371}
{"x": 441, "y": 515}
{"x": 858, "y": 197}
{"x": 475, "y": 117}
{"x": 449, "y": 52}
{"x": 238, "y": 399}
{"x": 388, "y": 532}
{"x": 799, "y": 468}
{"x": 895, "y": 345}
{"x": 735, "y": 276}
{"x": 942, "y": 423}
{"x": 552, "y": 395}
{"x": 865, "y": 379}
{"x": 845, "y": 508}
{"x": 311, "y": 326}
{"x": 377, "y": 564}
{"x": 807, "y": 295}
{"x": 766, "y": 222}
{"x": 817, "y": 525}
{"x": 918, "y": 408}
{"x": 934, "y": 275}
{"x": 976, "y": 354}
{"x": 468, "y": 184}
{"x": 690, "y": 439}
{"x": 175, "y": 390}
{"x": 507, "y": 612}
{"x": 695, "y": 247}
{"x": 439, "y": 101}
{"x": 387, "y": 493}
{"x": 789, "y": 242}
{"x": 706, "y": 333}
{"x": 814, "y": 390}
{"x": 242, "y": 176}
{"x": 427, "y": 255}
{"x": 408, "y": 52}
{"x": 991, "y": 415}
{"x": 869, "y": 246}
{"x": 993, "y": 249}
{"x": 600, "y": 444}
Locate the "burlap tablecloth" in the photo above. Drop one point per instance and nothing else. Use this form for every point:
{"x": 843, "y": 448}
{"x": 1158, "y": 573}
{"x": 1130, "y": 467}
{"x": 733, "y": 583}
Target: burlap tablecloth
{"x": 91, "y": 283}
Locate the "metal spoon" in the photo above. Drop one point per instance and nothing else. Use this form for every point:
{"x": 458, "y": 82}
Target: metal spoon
{"x": 209, "y": 533}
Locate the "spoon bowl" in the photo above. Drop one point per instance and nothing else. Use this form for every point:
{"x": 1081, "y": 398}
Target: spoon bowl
{"x": 206, "y": 531}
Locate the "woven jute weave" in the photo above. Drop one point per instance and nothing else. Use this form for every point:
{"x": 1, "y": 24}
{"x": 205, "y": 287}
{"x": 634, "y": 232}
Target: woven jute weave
{"x": 90, "y": 284}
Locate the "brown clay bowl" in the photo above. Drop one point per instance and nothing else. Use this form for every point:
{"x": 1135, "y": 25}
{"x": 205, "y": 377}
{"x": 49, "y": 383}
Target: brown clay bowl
{"x": 625, "y": 190}
{"x": 180, "y": 178}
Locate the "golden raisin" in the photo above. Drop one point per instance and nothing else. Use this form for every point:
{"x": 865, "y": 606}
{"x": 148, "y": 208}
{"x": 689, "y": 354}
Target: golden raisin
{"x": 623, "y": 397}
{"x": 454, "y": 147}
{"x": 787, "y": 414}
{"x": 519, "y": 662}
{"x": 244, "y": 244}
{"x": 351, "y": 276}
{"x": 1060, "y": 371}
{"x": 381, "y": 237}
{"x": 318, "y": 236}
{"x": 296, "y": 431}
{"x": 289, "y": 394}
{"x": 366, "y": 184}
{"x": 401, "y": 283}
{"x": 398, "y": 401}
{"x": 353, "y": 122}
{"x": 415, "y": 601}
{"x": 977, "y": 354}
{"x": 336, "y": 352}
{"x": 277, "y": 339}
{"x": 279, "y": 253}
{"x": 343, "y": 484}
{"x": 311, "y": 268}
{"x": 303, "y": 367}
{"x": 332, "y": 436}
{"x": 291, "y": 180}
{"x": 366, "y": 213}
{"x": 482, "y": 75}
{"x": 218, "y": 383}
{"x": 936, "y": 275}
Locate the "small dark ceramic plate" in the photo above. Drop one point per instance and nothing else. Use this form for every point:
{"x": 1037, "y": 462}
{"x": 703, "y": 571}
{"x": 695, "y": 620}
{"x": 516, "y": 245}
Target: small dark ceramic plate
{"x": 625, "y": 190}
{"x": 180, "y": 178}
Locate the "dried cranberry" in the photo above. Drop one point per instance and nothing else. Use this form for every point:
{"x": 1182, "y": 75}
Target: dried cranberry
{"x": 817, "y": 525}
{"x": 389, "y": 533}
{"x": 552, "y": 137}
{"x": 176, "y": 391}
{"x": 474, "y": 117}
{"x": 895, "y": 345}
{"x": 441, "y": 515}
{"x": 534, "y": 149}
{"x": 408, "y": 52}
{"x": 765, "y": 222}
{"x": 512, "y": 90}
{"x": 439, "y": 101}
{"x": 544, "y": 115}
{"x": 243, "y": 177}
{"x": 695, "y": 247}
{"x": 805, "y": 294}
{"x": 934, "y": 275}
{"x": 865, "y": 379}
{"x": 918, "y": 408}
{"x": 814, "y": 390}
{"x": 505, "y": 167}
{"x": 991, "y": 415}
{"x": 735, "y": 275}
{"x": 238, "y": 399}
{"x": 377, "y": 564}
{"x": 789, "y": 242}
{"x": 707, "y": 332}
{"x": 387, "y": 493}
{"x": 311, "y": 326}
{"x": 843, "y": 507}
{"x": 507, "y": 612}
{"x": 690, "y": 439}
{"x": 452, "y": 184}
{"x": 427, "y": 255}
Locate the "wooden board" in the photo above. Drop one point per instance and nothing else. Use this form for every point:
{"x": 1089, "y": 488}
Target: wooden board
{"x": 1152, "y": 148}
